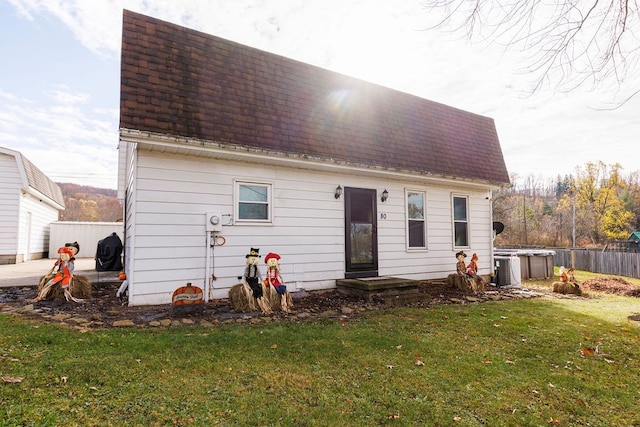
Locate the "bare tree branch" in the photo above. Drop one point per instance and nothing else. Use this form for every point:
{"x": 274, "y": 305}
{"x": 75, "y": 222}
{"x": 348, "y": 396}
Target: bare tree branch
{"x": 568, "y": 43}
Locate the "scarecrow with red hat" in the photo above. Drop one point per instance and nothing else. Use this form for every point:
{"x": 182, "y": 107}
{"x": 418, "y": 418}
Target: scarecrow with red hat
{"x": 274, "y": 279}
{"x": 472, "y": 270}
{"x": 63, "y": 275}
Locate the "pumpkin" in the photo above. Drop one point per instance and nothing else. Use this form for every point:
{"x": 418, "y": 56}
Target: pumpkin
{"x": 187, "y": 295}
{"x": 122, "y": 276}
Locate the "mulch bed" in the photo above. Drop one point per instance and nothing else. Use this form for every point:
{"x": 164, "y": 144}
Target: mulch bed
{"x": 105, "y": 308}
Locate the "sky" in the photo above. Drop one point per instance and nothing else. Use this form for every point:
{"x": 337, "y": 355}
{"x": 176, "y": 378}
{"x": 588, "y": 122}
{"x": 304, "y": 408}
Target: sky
{"x": 60, "y": 76}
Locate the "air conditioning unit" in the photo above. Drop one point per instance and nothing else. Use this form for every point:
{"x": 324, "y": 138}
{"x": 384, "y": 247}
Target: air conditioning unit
{"x": 213, "y": 221}
{"x": 508, "y": 271}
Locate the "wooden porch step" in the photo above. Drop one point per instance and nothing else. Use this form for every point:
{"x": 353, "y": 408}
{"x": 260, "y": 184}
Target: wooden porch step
{"x": 391, "y": 290}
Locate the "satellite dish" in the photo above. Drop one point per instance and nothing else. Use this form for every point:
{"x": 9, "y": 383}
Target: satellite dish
{"x": 498, "y": 227}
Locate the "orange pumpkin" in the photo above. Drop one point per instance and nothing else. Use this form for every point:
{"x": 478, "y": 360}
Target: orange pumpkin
{"x": 122, "y": 276}
{"x": 188, "y": 294}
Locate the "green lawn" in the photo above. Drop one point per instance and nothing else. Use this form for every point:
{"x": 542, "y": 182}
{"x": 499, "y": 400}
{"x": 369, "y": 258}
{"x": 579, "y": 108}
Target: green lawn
{"x": 529, "y": 362}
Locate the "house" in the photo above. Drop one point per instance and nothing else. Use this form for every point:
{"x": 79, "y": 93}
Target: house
{"x": 224, "y": 148}
{"x": 29, "y": 203}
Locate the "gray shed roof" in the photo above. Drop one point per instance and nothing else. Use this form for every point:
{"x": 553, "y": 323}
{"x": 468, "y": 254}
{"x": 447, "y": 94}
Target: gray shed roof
{"x": 35, "y": 179}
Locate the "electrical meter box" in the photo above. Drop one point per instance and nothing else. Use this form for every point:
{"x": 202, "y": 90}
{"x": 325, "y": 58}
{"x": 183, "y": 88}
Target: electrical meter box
{"x": 213, "y": 221}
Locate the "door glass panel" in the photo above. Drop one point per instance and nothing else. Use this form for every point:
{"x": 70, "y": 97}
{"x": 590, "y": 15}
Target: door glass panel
{"x": 361, "y": 229}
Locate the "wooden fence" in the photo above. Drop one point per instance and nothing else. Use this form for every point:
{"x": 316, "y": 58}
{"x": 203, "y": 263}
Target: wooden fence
{"x": 617, "y": 263}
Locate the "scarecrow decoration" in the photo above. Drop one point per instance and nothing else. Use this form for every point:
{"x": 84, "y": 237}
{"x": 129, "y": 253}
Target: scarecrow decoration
{"x": 60, "y": 282}
{"x": 251, "y": 292}
{"x": 278, "y": 294}
{"x": 472, "y": 271}
{"x": 462, "y": 279}
{"x": 567, "y": 283}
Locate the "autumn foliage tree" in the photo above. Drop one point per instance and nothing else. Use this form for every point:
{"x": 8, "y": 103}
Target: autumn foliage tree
{"x": 594, "y": 206}
{"x": 86, "y": 203}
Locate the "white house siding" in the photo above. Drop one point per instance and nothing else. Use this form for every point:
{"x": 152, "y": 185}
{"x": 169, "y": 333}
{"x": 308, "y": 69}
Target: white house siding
{"x": 168, "y": 196}
{"x": 9, "y": 207}
{"x": 35, "y": 219}
{"x": 127, "y": 161}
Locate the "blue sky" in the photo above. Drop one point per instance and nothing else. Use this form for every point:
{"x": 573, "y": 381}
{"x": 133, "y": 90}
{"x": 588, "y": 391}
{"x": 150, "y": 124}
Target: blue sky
{"x": 59, "y": 79}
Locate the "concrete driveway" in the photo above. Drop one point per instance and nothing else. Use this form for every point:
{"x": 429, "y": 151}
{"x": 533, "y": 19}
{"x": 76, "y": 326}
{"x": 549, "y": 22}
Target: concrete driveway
{"x": 29, "y": 273}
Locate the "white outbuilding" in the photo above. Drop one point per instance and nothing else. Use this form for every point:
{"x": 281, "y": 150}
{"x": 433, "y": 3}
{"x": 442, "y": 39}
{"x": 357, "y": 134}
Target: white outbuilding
{"x": 29, "y": 203}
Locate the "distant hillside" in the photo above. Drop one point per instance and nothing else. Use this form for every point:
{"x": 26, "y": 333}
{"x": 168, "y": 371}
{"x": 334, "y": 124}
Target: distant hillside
{"x": 86, "y": 203}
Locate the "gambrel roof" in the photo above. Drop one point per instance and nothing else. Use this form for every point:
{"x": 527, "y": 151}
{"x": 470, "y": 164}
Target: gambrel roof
{"x": 182, "y": 82}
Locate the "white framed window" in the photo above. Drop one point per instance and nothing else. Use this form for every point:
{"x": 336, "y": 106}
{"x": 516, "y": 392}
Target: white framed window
{"x": 416, "y": 219}
{"x": 460, "y": 207}
{"x": 253, "y": 202}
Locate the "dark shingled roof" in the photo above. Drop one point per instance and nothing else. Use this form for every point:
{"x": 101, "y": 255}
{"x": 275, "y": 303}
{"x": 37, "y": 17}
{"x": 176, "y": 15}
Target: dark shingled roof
{"x": 182, "y": 82}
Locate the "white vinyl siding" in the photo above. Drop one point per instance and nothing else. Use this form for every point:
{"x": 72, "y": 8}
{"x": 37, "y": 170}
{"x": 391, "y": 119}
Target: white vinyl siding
{"x": 169, "y": 195}
{"x": 9, "y": 205}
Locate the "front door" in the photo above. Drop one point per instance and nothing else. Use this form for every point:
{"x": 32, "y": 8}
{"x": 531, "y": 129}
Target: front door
{"x": 361, "y": 233}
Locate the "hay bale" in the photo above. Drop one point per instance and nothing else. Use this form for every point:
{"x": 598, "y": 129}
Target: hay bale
{"x": 80, "y": 288}
{"x": 275, "y": 300}
{"x": 240, "y": 300}
{"x": 464, "y": 283}
{"x": 566, "y": 288}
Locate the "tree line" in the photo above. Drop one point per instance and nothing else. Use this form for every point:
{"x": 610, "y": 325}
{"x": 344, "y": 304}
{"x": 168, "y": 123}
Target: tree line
{"x": 86, "y": 203}
{"x": 595, "y": 206}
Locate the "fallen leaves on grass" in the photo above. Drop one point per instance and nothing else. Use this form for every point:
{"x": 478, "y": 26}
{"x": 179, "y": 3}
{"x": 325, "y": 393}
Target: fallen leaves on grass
{"x": 586, "y": 351}
{"x": 12, "y": 380}
{"x": 611, "y": 285}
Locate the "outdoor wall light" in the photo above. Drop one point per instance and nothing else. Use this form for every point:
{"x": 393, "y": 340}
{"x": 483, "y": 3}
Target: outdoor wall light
{"x": 338, "y": 192}
{"x": 385, "y": 196}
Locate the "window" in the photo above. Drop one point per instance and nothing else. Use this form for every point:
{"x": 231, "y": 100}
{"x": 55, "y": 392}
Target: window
{"x": 416, "y": 220}
{"x": 460, "y": 221}
{"x": 254, "y": 202}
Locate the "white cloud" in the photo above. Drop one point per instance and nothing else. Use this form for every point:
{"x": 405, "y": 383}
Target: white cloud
{"x": 67, "y": 142}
